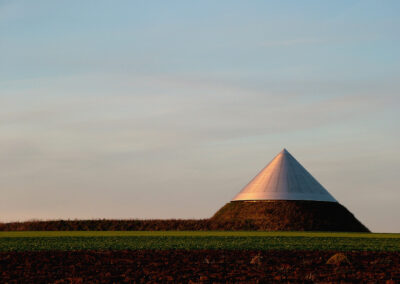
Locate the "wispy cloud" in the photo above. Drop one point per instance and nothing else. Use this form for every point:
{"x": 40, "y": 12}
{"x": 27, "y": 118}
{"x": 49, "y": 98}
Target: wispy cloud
{"x": 130, "y": 115}
{"x": 319, "y": 40}
{"x": 293, "y": 42}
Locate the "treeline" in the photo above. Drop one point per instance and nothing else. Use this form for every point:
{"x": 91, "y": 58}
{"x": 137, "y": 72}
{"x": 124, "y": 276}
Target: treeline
{"x": 132, "y": 225}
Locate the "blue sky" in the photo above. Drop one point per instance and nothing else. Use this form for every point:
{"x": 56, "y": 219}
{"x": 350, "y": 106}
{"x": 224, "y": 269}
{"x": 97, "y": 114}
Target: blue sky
{"x": 160, "y": 109}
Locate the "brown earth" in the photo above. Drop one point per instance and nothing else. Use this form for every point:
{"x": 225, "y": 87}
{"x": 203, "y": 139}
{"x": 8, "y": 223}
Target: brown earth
{"x": 290, "y": 215}
{"x": 197, "y": 266}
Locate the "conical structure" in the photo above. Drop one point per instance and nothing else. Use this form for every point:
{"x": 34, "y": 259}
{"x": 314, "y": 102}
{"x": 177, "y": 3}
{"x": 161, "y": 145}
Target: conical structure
{"x": 284, "y": 196}
{"x": 284, "y": 178}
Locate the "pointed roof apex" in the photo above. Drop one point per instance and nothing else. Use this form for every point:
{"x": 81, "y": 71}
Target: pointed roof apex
{"x": 284, "y": 178}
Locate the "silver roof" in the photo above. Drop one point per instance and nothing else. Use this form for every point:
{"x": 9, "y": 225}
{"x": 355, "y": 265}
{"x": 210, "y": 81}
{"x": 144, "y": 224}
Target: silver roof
{"x": 284, "y": 178}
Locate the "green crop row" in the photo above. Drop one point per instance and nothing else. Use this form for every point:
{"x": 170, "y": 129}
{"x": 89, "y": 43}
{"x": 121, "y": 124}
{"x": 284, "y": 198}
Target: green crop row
{"x": 163, "y": 242}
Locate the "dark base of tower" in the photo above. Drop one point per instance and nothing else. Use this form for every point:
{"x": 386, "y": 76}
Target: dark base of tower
{"x": 286, "y": 215}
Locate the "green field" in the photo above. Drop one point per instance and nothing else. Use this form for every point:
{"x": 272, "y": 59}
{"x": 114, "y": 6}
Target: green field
{"x": 115, "y": 240}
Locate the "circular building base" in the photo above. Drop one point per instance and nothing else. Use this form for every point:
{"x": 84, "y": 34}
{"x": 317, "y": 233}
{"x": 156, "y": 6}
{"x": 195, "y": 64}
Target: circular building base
{"x": 286, "y": 215}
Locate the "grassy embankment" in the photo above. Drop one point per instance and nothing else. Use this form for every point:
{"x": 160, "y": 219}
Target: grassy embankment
{"x": 118, "y": 240}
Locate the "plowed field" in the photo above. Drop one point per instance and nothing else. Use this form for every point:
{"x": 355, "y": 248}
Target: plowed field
{"x": 198, "y": 266}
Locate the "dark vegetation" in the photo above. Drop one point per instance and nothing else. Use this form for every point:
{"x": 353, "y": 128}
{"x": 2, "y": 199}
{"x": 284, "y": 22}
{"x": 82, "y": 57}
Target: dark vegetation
{"x": 199, "y": 266}
{"x": 234, "y": 216}
{"x": 108, "y": 225}
{"x": 291, "y": 216}
{"x": 129, "y": 225}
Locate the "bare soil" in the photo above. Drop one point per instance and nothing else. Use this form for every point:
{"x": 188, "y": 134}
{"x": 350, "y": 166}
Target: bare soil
{"x": 198, "y": 266}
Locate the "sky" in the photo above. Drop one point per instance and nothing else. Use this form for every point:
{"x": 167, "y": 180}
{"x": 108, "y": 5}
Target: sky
{"x": 166, "y": 109}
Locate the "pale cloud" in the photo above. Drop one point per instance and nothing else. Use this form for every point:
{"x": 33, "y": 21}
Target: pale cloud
{"x": 154, "y": 112}
{"x": 293, "y": 42}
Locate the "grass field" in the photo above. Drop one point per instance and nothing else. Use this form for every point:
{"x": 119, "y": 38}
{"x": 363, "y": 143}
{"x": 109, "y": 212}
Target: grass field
{"x": 118, "y": 240}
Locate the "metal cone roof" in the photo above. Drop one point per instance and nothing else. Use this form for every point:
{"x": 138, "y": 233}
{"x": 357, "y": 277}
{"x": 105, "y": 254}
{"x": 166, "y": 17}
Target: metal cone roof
{"x": 284, "y": 178}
